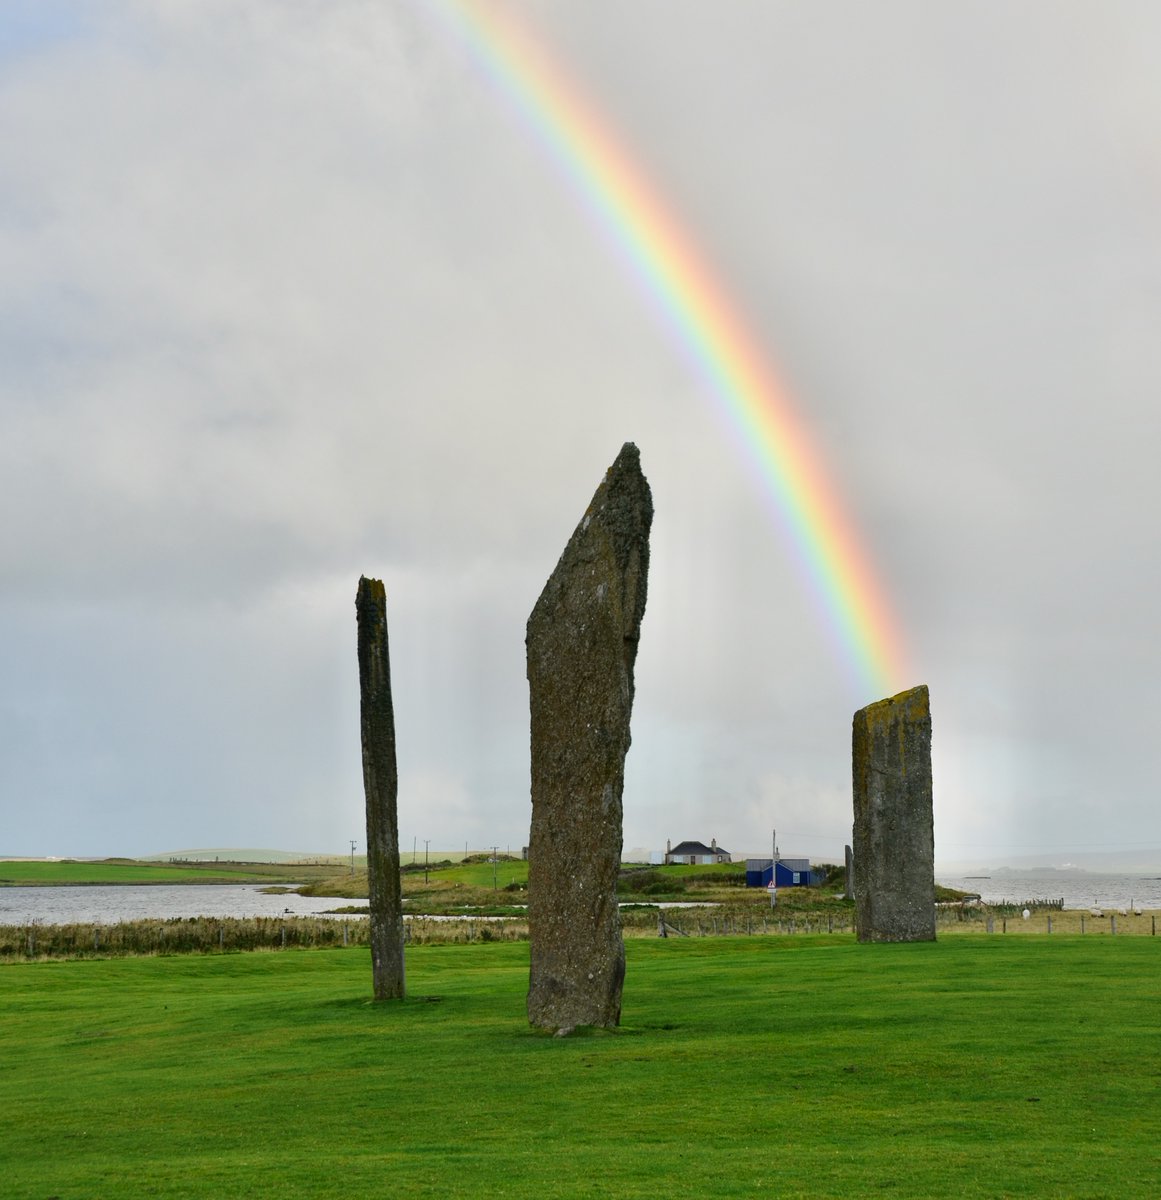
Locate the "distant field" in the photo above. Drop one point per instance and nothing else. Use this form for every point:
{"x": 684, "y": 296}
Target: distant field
{"x": 406, "y": 854}
{"x": 29, "y": 873}
{"x": 800, "y": 1067}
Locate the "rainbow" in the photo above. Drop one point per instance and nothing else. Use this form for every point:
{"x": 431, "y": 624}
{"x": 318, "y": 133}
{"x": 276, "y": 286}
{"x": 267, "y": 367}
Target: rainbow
{"x": 710, "y": 328}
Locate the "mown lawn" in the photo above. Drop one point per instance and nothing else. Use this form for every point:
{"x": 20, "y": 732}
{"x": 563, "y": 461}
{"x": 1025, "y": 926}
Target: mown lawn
{"x": 808, "y": 1067}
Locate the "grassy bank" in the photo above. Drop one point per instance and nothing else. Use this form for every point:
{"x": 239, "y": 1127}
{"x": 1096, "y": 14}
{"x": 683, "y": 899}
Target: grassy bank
{"x": 808, "y": 1067}
{"x": 479, "y": 882}
{"x": 442, "y": 887}
{"x": 229, "y": 935}
{"x": 448, "y": 886}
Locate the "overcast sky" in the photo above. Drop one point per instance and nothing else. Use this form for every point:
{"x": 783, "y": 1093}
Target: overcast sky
{"x": 290, "y": 293}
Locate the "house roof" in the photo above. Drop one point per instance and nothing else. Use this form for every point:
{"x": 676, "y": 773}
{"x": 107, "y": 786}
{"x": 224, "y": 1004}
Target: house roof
{"x": 791, "y": 864}
{"x": 688, "y": 848}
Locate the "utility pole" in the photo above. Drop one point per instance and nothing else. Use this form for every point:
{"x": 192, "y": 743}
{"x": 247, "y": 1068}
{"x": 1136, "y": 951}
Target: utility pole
{"x": 353, "y": 844}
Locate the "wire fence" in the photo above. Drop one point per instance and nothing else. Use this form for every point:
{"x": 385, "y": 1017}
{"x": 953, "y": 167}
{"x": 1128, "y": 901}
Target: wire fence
{"x": 206, "y": 935}
{"x": 1040, "y": 918}
{"x": 733, "y": 924}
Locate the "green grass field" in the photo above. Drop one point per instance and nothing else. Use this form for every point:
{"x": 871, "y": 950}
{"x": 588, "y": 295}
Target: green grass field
{"x": 794, "y": 1067}
{"x": 33, "y": 873}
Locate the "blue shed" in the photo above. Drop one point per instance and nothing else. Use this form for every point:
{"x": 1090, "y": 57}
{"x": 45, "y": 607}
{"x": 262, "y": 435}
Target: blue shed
{"x": 786, "y": 872}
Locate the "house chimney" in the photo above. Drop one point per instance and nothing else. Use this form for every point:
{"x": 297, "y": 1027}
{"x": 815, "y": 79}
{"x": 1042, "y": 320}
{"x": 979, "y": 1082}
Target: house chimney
{"x": 714, "y": 845}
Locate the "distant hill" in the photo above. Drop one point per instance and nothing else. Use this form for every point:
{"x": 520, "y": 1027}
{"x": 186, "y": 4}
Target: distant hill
{"x": 230, "y": 854}
{"x": 1129, "y": 862}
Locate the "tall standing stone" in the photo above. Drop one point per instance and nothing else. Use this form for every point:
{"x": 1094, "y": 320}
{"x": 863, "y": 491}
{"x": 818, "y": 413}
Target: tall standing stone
{"x": 582, "y": 644}
{"x": 849, "y": 885}
{"x": 381, "y": 788}
{"x": 894, "y": 838}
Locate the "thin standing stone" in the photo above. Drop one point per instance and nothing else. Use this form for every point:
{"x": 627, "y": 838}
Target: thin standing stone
{"x": 582, "y": 644}
{"x": 381, "y": 788}
{"x": 894, "y": 840}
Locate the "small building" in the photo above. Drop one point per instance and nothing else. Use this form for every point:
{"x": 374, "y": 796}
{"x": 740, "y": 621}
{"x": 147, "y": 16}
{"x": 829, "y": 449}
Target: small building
{"x": 696, "y": 853}
{"x": 785, "y": 872}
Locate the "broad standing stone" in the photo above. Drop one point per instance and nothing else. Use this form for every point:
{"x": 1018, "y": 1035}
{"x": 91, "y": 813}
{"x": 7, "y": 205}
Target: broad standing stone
{"x": 381, "y": 788}
{"x": 582, "y": 644}
{"x": 894, "y": 850}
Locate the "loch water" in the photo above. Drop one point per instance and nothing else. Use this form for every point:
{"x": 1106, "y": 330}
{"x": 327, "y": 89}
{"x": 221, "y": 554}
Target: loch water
{"x": 1078, "y": 888}
{"x": 107, "y": 904}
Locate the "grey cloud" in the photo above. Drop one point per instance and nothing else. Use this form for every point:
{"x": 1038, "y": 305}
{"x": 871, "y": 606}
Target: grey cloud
{"x": 291, "y": 294}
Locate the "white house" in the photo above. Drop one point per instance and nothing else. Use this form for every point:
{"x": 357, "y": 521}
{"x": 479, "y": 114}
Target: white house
{"x": 696, "y": 853}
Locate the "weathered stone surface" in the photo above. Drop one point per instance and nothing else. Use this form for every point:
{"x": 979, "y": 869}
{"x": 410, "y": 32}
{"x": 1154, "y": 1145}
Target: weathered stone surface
{"x": 894, "y": 839}
{"x": 582, "y": 643}
{"x": 381, "y": 788}
{"x": 849, "y": 885}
